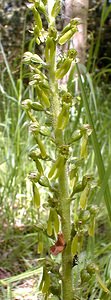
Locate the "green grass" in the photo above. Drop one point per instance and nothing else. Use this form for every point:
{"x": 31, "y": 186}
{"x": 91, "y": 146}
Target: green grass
{"x": 14, "y": 162}
{"x": 95, "y": 143}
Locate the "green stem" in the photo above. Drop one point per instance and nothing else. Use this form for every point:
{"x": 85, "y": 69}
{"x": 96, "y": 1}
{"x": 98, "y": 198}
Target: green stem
{"x": 67, "y": 289}
{"x": 64, "y": 204}
{"x": 65, "y": 208}
{"x": 66, "y": 229}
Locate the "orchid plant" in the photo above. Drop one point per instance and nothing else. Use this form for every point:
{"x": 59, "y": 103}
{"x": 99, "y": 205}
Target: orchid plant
{"x": 68, "y": 215}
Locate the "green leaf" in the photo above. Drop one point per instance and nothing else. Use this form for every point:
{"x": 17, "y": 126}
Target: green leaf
{"x": 56, "y": 221}
{"x": 74, "y": 245}
{"x": 83, "y": 152}
{"x": 41, "y": 146}
{"x": 37, "y": 106}
{"x": 43, "y": 97}
{"x": 102, "y": 285}
{"x": 56, "y": 9}
{"x": 39, "y": 167}
{"x": 91, "y": 228}
{"x": 36, "y": 195}
{"x": 37, "y": 17}
{"x": 64, "y": 68}
{"x": 46, "y": 285}
{"x": 63, "y": 117}
{"x": 40, "y": 247}
{"x": 49, "y": 49}
{"x": 49, "y": 224}
{"x": 67, "y": 36}
{"x": 54, "y": 168}
{"x": 84, "y": 197}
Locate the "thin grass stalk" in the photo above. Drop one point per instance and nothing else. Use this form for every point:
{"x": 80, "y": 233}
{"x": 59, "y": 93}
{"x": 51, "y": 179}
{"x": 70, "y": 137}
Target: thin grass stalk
{"x": 105, "y": 12}
{"x": 9, "y": 71}
{"x": 105, "y": 181}
{"x": 20, "y": 92}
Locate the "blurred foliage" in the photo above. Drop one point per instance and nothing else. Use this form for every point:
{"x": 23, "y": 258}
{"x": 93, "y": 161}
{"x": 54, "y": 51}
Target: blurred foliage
{"x": 15, "y": 18}
{"x": 14, "y": 15}
{"x": 95, "y": 29}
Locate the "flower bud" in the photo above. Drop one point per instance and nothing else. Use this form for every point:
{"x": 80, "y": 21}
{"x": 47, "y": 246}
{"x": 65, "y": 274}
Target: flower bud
{"x": 63, "y": 118}
{"x": 84, "y": 216}
{"x": 39, "y": 166}
{"x": 91, "y": 228}
{"x": 52, "y": 32}
{"x": 42, "y": 147}
{"x": 64, "y": 150}
{"x": 37, "y": 106}
{"x": 85, "y": 276}
{"x": 75, "y": 137}
{"x": 34, "y": 154}
{"x": 37, "y": 17}
{"x": 34, "y": 127}
{"x": 56, "y": 9}
{"x": 86, "y": 129}
{"x": 67, "y": 36}
{"x": 84, "y": 197}
{"x": 43, "y": 97}
{"x": 67, "y": 97}
{"x": 70, "y": 25}
{"x": 27, "y": 57}
{"x": 44, "y": 1}
{"x": 34, "y": 176}
{"x": 74, "y": 245}
{"x": 93, "y": 210}
{"x": 26, "y": 104}
{"x": 72, "y": 53}
{"x": 44, "y": 181}
{"x": 53, "y": 169}
{"x": 64, "y": 68}
{"x": 49, "y": 224}
{"x": 56, "y": 168}
{"x": 45, "y": 131}
{"x": 36, "y": 195}
{"x": 92, "y": 268}
{"x": 55, "y": 221}
{"x": 35, "y": 58}
{"x": 36, "y": 31}
{"x": 83, "y": 151}
{"x": 49, "y": 49}
{"x": 41, "y": 5}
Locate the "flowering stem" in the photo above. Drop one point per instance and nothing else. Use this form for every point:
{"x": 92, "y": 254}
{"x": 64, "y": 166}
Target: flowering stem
{"x": 63, "y": 187}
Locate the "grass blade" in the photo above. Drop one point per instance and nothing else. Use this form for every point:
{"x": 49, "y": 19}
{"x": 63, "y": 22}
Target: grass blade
{"x": 8, "y": 70}
{"x": 104, "y": 182}
{"x": 27, "y": 274}
{"x": 96, "y": 147}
